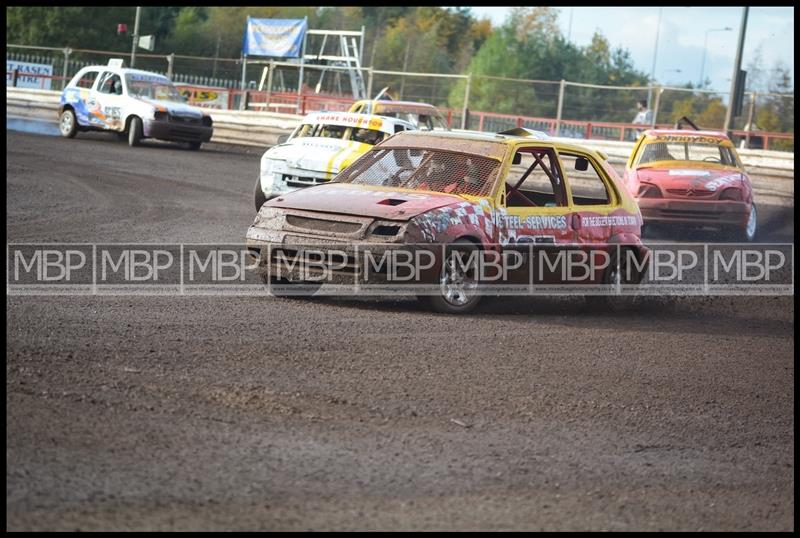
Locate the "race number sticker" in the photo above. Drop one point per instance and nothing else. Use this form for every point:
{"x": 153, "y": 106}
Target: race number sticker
{"x": 112, "y": 112}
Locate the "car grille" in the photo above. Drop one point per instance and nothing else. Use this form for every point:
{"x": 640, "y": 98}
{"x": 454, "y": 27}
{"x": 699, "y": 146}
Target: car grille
{"x": 303, "y": 181}
{"x": 690, "y": 193}
{"x": 324, "y": 225}
{"x": 187, "y": 121}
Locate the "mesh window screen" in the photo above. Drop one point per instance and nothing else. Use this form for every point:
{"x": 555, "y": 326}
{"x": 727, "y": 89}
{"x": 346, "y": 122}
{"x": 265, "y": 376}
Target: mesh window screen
{"x": 424, "y": 169}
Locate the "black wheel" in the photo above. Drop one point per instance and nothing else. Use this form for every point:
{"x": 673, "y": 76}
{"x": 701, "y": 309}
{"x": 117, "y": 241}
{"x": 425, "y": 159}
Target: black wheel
{"x": 750, "y": 230}
{"x": 259, "y": 195}
{"x": 458, "y": 281}
{"x": 194, "y": 146}
{"x": 135, "y": 132}
{"x": 620, "y": 271}
{"x": 67, "y": 124}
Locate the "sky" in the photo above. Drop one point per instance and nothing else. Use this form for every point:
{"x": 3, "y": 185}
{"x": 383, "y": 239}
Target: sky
{"x": 681, "y": 37}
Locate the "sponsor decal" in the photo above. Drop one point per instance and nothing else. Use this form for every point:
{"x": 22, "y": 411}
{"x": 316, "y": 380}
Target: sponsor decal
{"x": 364, "y": 121}
{"x": 149, "y": 78}
{"x": 721, "y": 182}
{"x": 682, "y": 172}
{"x": 688, "y": 139}
{"x": 535, "y": 222}
{"x": 608, "y": 220}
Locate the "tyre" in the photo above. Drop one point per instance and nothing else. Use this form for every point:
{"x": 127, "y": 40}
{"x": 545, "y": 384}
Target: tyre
{"x": 67, "y": 124}
{"x": 750, "y": 230}
{"x": 458, "y": 283}
{"x": 259, "y": 195}
{"x": 135, "y": 132}
{"x": 618, "y": 272}
{"x": 194, "y": 146}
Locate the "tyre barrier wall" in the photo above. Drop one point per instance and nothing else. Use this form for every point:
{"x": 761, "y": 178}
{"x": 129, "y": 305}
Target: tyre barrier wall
{"x": 263, "y": 129}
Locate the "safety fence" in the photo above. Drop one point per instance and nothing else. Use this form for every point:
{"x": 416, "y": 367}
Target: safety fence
{"x": 483, "y": 103}
{"x": 264, "y": 128}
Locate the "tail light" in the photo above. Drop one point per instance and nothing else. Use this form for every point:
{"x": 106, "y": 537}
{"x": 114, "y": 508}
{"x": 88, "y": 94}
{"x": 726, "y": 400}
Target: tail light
{"x": 648, "y": 191}
{"x": 732, "y": 193}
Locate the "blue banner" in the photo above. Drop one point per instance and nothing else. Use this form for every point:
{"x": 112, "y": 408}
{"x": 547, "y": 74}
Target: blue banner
{"x": 282, "y": 38}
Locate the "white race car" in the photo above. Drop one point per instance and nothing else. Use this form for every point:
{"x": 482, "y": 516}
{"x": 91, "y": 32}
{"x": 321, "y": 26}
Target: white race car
{"x": 135, "y": 104}
{"x": 324, "y": 144}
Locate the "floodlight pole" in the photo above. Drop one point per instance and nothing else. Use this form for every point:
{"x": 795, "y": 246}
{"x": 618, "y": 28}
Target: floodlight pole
{"x": 302, "y": 64}
{"x": 135, "y": 36}
{"x": 655, "y": 55}
{"x": 737, "y": 66}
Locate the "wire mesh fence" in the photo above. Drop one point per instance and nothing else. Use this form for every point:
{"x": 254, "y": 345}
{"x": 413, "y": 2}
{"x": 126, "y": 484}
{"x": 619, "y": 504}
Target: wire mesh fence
{"x": 492, "y": 104}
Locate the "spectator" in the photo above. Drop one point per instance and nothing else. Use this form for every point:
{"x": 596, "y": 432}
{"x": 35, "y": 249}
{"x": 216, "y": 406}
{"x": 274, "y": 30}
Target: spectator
{"x": 643, "y": 117}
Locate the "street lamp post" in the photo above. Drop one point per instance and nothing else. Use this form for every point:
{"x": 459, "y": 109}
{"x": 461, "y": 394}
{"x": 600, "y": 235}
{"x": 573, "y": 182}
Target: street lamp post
{"x": 655, "y": 55}
{"x": 135, "y": 36}
{"x": 705, "y": 48}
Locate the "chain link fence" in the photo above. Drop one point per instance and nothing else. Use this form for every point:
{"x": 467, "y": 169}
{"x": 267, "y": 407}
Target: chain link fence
{"x": 473, "y": 102}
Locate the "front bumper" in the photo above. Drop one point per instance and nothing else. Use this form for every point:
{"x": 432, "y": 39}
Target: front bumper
{"x": 695, "y": 212}
{"x": 332, "y": 249}
{"x": 177, "y": 131}
{"x": 275, "y": 182}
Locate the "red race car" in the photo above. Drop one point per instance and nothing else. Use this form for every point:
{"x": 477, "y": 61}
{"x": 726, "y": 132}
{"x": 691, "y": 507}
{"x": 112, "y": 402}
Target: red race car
{"x": 691, "y": 177}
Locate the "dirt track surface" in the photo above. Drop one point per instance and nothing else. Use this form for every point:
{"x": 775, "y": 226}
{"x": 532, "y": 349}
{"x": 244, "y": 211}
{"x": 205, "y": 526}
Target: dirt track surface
{"x": 182, "y": 413}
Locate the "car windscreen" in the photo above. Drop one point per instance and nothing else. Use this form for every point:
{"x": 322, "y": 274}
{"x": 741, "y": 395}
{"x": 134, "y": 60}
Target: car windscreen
{"x": 424, "y": 169}
{"x": 152, "y": 88}
{"x": 688, "y": 150}
{"x": 320, "y": 130}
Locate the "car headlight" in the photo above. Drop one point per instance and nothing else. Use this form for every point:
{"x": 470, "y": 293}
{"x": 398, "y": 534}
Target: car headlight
{"x": 646, "y": 190}
{"x": 207, "y": 121}
{"x": 732, "y": 193}
{"x": 161, "y": 116}
{"x": 269, "y": 217}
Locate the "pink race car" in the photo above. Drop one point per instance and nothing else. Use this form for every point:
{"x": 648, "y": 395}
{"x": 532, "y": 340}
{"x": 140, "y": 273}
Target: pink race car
{"x": 693, "y": 178}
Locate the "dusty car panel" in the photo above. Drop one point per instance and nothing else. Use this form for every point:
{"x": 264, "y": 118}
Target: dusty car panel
{"x": 496, "y": 192}
{"x": 691, "y": 177}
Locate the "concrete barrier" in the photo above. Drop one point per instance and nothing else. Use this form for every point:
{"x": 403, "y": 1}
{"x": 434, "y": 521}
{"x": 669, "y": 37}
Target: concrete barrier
{"x": 230, "y": 126}
{"x": 263, "y": 129}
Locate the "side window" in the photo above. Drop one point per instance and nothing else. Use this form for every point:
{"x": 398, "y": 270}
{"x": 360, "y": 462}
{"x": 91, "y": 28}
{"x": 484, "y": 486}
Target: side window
{"x": 585, "y": 182}
{"x": 110, "y": 83}
{"x": 728, "y": 157}
{"x": 535, "y": 180}
{"x": 87, "y": 79}
{"x": 331, "y": 131}
{"x": 305, "y": 129}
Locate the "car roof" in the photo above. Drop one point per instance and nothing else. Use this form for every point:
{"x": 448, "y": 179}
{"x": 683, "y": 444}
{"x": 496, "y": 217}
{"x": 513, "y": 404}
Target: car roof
{"x": 505, "y": 139}
{"x": 407, "y": 104}
{"x": 354, "y": 119}
{"x": 125, "y": 71}
{"x": 684, "y": 132}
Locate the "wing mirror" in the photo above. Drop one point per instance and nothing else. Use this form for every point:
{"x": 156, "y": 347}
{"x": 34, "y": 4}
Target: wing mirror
{"x": 581, "y": 164}
{"x": 283, "y": 138}
{"x": 517, "y": 158}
